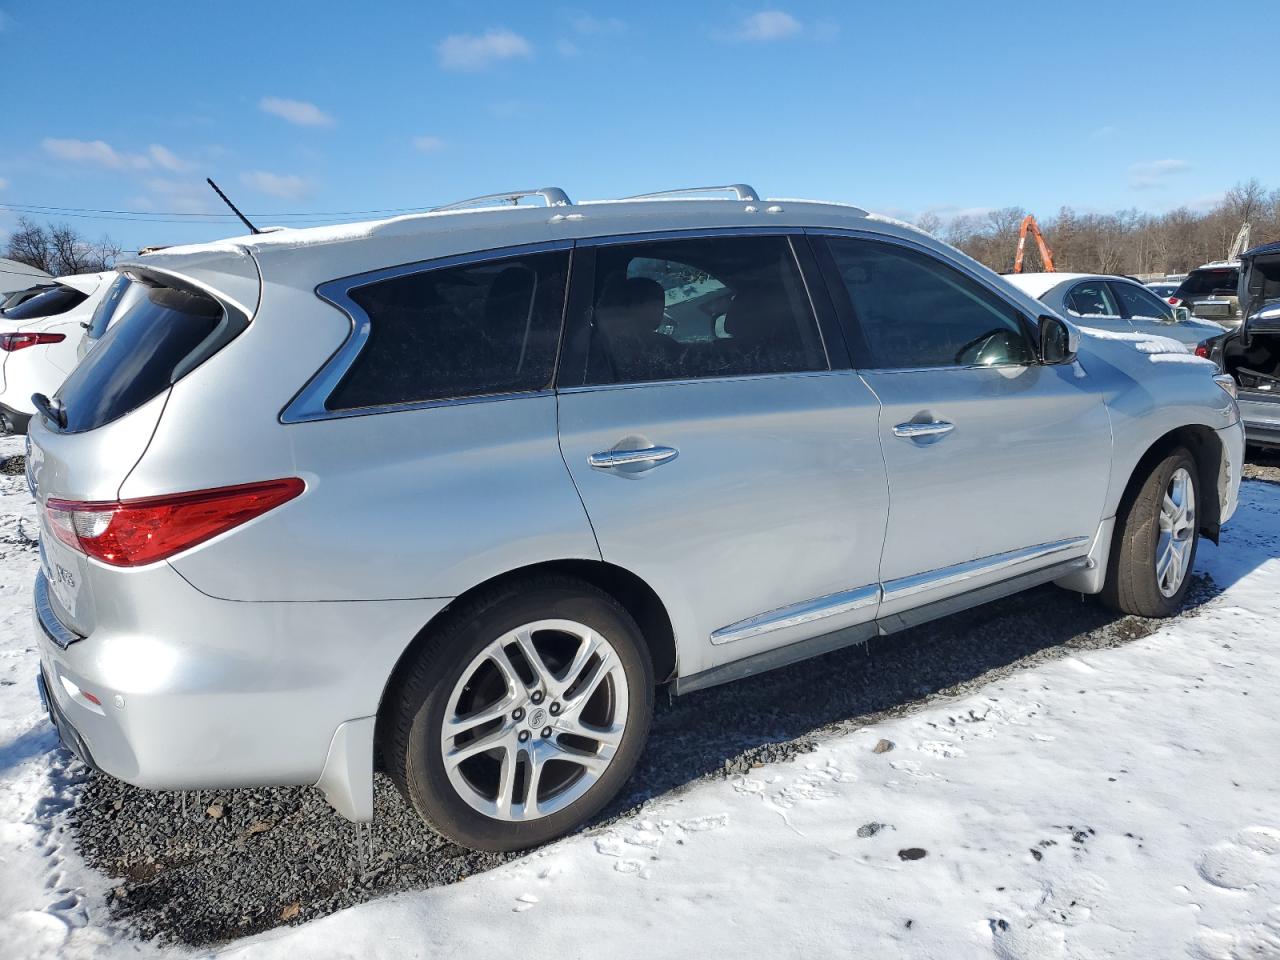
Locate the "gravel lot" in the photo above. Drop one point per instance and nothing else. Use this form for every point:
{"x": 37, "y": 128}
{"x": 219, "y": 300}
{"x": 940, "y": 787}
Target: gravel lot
{"x": 213, "y": 866}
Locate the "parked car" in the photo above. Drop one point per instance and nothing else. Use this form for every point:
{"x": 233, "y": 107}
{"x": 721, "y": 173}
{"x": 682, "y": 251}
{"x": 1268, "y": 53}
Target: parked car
{"x": 438, "y": 489}
{"x": 1251, "y": 354}
{"x": 39, "y": 342}
{"x": 1164, "y": 289}
{"x": 1209, "y": 292}
{"x": 121, "y": 291}
{"x": 1114, "y": 303}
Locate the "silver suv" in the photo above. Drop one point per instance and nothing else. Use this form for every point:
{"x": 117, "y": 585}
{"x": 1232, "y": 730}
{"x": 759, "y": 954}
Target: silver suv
{"x": 458, "y": 490}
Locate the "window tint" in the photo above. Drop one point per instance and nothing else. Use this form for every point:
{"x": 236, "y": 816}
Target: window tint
{"x": 1092, "y": 299}
{"x": 1203, "y": 283}
{"x": 480, "y": 328}
{"x": 915, "y": 311}
{"x": 707, "y": 307}
{"x": 1139, "y": 304}
{"x": 138, "y": 357}
{"x": 47, "y": 303}
{"x": 107, "y": 307}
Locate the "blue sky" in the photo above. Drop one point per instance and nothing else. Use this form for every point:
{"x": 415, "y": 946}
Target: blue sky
{"x": 900, "y": 106}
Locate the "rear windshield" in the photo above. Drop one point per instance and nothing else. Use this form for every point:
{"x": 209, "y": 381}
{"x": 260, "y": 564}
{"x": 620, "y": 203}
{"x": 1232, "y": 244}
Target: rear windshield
{"x": 106, "y": 307}
{"x": 48, "y": 303}
{"x": 1203, "y": 283}
{"x": 138, "y": 357}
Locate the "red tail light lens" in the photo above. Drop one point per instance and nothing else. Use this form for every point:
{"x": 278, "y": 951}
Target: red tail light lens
{"x": 130, "y": 533}
{"x": 1175, "y": 301}
{"x": 1202, "y": 349}
{"x": 10, "y": 342}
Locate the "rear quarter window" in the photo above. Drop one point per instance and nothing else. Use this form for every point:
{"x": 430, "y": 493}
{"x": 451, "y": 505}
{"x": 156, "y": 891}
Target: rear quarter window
{"x": 48, "y": 303}
{"x": 145, "y": 351}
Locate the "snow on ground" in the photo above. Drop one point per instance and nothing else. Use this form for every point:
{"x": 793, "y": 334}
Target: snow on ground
{"x": 1115, "y": 803}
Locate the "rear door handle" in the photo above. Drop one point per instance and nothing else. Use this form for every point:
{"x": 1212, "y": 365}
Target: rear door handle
{"x": 914, "y": 431}
{"x": 648, "y": 457}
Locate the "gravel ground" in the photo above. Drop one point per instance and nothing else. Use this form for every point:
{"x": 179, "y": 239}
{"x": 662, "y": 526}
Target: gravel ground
{"x": 210, "y": 866}
{"x": 1262, "y": 465}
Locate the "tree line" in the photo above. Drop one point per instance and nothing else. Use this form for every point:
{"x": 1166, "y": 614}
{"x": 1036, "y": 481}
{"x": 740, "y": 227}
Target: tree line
{"x": 1128, "y": 242}
{"x": 59, "y": 250}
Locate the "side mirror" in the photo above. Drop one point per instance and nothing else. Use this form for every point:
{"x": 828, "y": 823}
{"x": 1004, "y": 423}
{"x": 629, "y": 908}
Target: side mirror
{"x": 1181, "y": 314}
{"x": 1059, "y": 343}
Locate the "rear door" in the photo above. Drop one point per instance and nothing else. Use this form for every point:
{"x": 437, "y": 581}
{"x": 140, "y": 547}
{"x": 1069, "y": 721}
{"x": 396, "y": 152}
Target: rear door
{"x": 1094, "y": 304}
{"x": 724, "y": 450}
{"x": 997, "y": 465}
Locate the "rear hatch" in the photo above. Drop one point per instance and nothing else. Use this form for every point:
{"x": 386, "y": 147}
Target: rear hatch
{"x": 1210, "y": 293}
{"x": 106, "y": 412}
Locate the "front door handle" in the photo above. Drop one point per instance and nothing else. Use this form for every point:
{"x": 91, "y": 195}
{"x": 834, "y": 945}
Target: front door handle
{"x": 915, "y": 431}
{"x": 648, "y": 457}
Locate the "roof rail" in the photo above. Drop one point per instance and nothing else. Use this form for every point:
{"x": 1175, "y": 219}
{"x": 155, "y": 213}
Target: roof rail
{"x": 552, "y": 196}
{"x": 742, "y": 191}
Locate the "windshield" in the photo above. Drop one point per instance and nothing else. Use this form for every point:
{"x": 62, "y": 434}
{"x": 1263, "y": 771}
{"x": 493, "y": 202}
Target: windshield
{"x": 1205, "y": 283}
{"x": 56, "y": 299}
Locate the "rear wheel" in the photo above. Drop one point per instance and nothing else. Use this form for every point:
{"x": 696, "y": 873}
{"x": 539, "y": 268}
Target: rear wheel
{"x": 523, "y": 716}
{"x": 1156, "y": 538}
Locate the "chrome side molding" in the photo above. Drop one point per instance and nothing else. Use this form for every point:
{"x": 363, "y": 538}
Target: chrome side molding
{"x": 960, "y": 572}
{"x": 806, "y": 611}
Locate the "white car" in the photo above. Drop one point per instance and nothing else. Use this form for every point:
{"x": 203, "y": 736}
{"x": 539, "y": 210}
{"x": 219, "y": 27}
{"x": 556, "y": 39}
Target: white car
{"x": 40, "y": 340}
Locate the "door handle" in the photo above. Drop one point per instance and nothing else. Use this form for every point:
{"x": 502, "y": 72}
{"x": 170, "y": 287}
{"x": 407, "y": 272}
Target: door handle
{"x": 650, "y": 456}
{"x": 914, "y": 431}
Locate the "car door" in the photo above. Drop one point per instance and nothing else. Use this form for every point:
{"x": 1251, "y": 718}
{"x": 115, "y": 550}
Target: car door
{"x": 1145, "y": 312}
{"x": 724, "y": 451}
{"x": 1092, "y": 303}
{"x": 997, "y": 465}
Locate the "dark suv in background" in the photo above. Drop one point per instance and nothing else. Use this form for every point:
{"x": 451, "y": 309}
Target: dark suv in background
{"x": 1209, "y": 292}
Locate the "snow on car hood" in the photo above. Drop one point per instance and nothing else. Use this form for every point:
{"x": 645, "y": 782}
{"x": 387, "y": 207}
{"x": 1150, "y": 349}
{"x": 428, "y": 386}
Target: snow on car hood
{"x": 1156, "y": 348}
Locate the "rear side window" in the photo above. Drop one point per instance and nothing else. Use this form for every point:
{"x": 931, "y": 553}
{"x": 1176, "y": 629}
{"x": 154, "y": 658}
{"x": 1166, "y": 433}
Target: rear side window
{"x": 1093, "y": 298}
{"x": 913, "y": 310}
{"x": 481, "y": 328}
{"x": 107, "y": 307}
{"x": 1139, "y": 304}
{"x": 706, "y": 307}
{"x": 1204, "y": 283}
{"x": 141, "y": 354}
{"x": 48, "y": 303}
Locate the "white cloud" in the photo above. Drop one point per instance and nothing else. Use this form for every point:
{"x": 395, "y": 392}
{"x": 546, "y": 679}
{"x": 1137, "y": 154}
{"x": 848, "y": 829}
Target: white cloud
{"x": 1152, "y": 173}
{"x": 428, "y": 144}
{"x": 97, "y": 152}
{"x": 567, "y": 48}
{"x": 165, "y": 158}
{"x": 590, "y": 26}
{"x": 4, "y": 184}
{"x": 187, "y": 196}
{"x": 465, "y": 51}
{"x": 298, "y": 112}
{"x": 287, "y": 186}
{"x": 768, "y": 25}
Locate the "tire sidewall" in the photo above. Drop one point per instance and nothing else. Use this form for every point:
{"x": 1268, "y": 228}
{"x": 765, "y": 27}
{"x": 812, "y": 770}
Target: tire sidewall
{"x": 427, "y": 781}
{"x": 1161, "y": 477}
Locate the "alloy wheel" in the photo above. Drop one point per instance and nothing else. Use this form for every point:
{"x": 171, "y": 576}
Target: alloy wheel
{"x": 1177, "y": 532}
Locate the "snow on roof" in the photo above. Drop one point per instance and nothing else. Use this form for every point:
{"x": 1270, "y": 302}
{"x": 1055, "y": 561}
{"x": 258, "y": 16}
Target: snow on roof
{"x": 1038, "y": 284}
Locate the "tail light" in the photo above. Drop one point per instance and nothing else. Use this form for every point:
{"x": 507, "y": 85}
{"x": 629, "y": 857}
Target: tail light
{"x": 129, "y": 533}
{"x": 1202, "y": 350}
{"x": 10, "y": 342}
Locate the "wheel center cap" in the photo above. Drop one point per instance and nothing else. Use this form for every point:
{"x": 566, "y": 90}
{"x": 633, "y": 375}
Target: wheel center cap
{"x": 537, "y": 717}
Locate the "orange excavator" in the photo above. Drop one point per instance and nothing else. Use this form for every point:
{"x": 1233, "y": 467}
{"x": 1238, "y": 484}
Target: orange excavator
{"x": 1046, "y": 255}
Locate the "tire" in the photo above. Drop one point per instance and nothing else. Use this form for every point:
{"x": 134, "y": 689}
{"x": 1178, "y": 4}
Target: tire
{"x": 458, "y": 673}
{"x": 1134, "y": 581}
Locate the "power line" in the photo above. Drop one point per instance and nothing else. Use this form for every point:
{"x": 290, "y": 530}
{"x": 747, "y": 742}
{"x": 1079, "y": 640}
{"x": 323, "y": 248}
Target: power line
{"x": 178, "y": 216}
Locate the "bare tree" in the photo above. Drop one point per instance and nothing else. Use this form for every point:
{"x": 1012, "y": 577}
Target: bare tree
{"x": 59, "y": 250}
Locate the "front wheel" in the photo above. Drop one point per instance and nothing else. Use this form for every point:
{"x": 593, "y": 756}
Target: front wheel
{"x": 523, "y": 715}
{"x": 1149, "y": 572}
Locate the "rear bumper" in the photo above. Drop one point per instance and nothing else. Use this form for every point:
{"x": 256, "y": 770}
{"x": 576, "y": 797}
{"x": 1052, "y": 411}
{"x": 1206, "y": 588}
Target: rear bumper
{"x": 14, "y": 421}
{"x": 67, "y": 732}
{"x": 183, "y": 691}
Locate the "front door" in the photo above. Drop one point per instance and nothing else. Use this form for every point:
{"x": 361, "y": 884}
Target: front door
{"x": 721, "y": 457}
{"x": 997, "y": 464}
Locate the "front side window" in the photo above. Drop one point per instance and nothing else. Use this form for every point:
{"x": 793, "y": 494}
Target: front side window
{"x": 913, "y": 310}
{"x": 704, "y": 307}
{"x": 1092, "y": 298}
{"x": 470, "y": 330}
{"x": 1140, "y": 304}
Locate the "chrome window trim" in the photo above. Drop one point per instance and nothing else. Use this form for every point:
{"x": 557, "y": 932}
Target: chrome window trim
{"x": 693, "y": 233}
{"x": 796, "y": 614}
{"x": 689, "y": 381}
{"x": 918, "y": 583}
{"x": 309, "y": 402}
{"x": 49, "y": 622}
{"x": 962, "y": 268}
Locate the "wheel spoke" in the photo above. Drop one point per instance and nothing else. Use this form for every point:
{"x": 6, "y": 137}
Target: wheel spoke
{"x": 506, "y": 784}
{"x": 499, "y": 738}
{"x": 1163, "y": 563}
{"x": 534, "y": 763}
{"x": 604, "y": 665}
{"x": 498, "y": 654}
{"x": 542, "y": 676}
{"x": 594, "y": 763}
{"x": 590, "y": 644}
{"x": 460, "y": 725}
{"x": 607, "y": 735}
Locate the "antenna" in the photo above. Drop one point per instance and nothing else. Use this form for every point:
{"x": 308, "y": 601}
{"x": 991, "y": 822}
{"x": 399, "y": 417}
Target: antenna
{"x": 234, "y": 208}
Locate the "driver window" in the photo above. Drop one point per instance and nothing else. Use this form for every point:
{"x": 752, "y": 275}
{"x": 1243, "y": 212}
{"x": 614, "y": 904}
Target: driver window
{"x": 915, "y": 311}
{"x": 1138, "y": 304}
